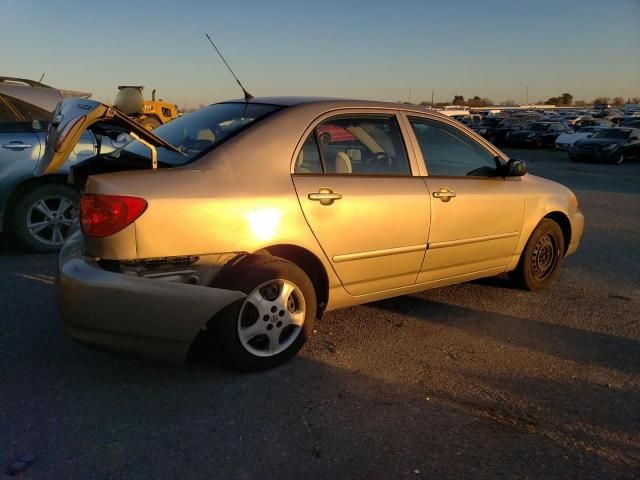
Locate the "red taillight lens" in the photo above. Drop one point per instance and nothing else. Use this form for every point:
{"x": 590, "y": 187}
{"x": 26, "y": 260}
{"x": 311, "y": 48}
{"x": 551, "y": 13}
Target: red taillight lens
{"x": 65, "y": 132}
{"x": 104, "y": 215}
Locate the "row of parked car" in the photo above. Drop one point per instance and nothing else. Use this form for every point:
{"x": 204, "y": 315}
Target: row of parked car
{"x": 586, "y": 136}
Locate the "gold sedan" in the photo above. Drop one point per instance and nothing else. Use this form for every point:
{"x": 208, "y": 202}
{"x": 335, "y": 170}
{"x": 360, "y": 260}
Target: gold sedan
{"x": 247, "y": 220}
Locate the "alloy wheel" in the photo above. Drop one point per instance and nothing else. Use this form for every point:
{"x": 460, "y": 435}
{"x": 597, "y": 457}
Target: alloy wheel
{"x": 49, "y": 219}
{"x": 271, "y": 318}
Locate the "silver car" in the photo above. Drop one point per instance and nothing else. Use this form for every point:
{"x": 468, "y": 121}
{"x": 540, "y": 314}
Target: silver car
{"x": 39, "y": 211}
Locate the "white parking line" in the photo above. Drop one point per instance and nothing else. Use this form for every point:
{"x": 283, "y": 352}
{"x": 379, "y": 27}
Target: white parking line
{"x": 48, "y": 279}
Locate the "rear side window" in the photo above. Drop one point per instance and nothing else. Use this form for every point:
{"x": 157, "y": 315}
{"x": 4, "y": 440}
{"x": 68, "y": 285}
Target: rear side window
{"x": 361, "y": 145}
{"x": 308, "y": 160}
{"x": 37, "y": 119}
{"x": 10, "y": 120}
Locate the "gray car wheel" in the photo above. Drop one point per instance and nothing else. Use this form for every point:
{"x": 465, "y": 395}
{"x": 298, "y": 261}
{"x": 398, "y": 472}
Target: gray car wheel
{"x": 274, "y": 320}
{"x": 542, "y": 257}
{"x": 44, "y": 216}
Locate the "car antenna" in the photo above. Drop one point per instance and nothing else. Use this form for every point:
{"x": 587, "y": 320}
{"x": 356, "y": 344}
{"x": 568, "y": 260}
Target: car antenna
{"x": 247, "y": 95}
{"x": 42, "y": 77}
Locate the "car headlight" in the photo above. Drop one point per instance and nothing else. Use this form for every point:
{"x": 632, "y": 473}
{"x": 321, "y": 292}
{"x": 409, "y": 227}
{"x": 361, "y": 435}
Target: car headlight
{"x": 611, "y": 146}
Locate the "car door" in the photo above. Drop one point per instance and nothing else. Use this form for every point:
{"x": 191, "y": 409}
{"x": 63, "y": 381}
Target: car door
{"x": 357, "y": 189}
{"x": 476, "y": 215}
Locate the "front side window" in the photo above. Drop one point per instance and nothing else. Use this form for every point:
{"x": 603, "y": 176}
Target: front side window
{"x": 10, "y": 119}
{"x": 200, "y": 131}
{"x": 449, "y": 152}
{"x": 362, "y": 145}
{"x": 35, "y": 117}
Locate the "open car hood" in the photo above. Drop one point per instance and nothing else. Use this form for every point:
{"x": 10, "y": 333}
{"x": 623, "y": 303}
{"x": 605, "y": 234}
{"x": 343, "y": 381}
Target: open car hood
{"x": 75, "y": 115}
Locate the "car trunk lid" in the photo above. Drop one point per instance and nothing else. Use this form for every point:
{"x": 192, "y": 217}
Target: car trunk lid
{"x": 75, "y": 115}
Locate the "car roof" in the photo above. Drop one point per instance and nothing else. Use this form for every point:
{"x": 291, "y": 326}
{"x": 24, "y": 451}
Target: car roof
{"x": 331, "y": 102}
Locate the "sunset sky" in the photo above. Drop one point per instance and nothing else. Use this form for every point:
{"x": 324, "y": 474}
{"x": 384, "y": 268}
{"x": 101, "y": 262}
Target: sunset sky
{"x": 363, "y": 49}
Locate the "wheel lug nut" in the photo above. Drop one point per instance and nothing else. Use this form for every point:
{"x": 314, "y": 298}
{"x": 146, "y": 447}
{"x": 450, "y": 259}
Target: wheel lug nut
{"x": 270, "y": 326}
{"x": 281, "y": 313}
{"x": 266, "y": 318}
{"x": 274, "y": 309}
{"x": 279, "y": 324}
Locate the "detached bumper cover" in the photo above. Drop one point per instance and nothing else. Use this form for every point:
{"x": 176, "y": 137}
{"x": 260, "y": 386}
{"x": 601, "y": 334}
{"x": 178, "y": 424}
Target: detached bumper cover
{"x": 144, "y": 317}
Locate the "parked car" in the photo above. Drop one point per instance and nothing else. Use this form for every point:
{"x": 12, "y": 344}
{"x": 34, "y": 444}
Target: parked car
{"x": 538, "y": 134}
{"x": 565, "y": 140}
{"x": 496, "y": 132}
{"x": 631, "y": 123}
{"x": 247, "y": 237}
{"x": 613, "y": 145}
{"x": 470, "y": 120}
{"x": 40, "y": 212}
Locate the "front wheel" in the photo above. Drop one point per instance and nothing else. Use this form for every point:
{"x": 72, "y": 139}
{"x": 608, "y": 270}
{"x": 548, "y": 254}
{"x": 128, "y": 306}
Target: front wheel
{"x": 274, "y": 320}
{"x": 542, "y": 257}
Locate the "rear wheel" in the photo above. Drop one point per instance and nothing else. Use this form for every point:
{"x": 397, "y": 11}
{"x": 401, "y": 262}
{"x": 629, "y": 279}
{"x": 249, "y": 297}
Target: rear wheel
{"x": 44, "y": 217}
{"x": 273, "y": 322}
{"x": 542, "y": 257}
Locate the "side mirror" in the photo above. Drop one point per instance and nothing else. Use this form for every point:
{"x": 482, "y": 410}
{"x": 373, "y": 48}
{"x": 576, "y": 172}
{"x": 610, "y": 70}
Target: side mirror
{"x": 516, "y": 168}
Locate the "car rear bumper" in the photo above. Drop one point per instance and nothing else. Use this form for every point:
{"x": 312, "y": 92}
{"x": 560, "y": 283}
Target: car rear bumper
{"x": 577, "y": 229}
{"x": 144, "y": 317}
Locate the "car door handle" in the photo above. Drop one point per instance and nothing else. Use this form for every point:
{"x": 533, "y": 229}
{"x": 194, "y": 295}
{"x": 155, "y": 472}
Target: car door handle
{"x": 444, "y": 194}
{"x": 325, "y": 196}
{"x": 16, "y": 146}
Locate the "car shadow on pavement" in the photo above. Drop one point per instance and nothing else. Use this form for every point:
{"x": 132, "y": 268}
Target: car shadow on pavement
{"x": 586, "y": 347}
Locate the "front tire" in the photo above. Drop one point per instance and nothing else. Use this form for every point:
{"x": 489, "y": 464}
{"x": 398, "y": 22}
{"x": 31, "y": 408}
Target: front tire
{"x": 542, "y": 257}
{"x": 275, "y": 319}
{"x": 45, "y": 216}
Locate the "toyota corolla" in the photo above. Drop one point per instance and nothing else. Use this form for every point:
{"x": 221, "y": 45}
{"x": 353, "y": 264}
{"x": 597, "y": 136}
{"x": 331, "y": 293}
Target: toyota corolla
{"x": 239, "y": 223}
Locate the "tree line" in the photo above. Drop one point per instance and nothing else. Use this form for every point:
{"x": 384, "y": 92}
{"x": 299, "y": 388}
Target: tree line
{"x": 563, "y": 100}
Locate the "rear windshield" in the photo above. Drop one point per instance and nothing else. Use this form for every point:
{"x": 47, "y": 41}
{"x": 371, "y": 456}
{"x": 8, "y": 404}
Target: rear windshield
{"x": 200, "y": 131}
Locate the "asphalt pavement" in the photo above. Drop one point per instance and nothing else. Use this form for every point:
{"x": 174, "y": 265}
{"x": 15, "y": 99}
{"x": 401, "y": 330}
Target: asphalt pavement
{"x": 478, "y": 380}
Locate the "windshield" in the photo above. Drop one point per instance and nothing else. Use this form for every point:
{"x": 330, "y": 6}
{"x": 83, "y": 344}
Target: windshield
{"x": 612, "y": 133}
{"x": 199, "y": 131}
{"x": 539, "y": 127}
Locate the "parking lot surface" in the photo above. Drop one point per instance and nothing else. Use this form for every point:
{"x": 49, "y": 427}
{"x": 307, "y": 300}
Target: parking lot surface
{"x": 478, "y": 380}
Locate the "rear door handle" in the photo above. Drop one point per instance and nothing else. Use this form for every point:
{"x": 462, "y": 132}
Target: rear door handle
{"x": 325, "y": 196}
{"x": 444, "y": 194}
{"x": 16, "y": 146}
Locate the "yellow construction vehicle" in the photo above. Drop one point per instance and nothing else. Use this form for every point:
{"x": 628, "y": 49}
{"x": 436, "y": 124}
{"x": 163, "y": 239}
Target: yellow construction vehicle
{"x": 149, "y": 113}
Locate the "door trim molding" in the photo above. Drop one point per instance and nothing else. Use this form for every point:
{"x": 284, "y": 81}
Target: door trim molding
{"x": 346, "y": 257}
{"x": 465, "y": 241}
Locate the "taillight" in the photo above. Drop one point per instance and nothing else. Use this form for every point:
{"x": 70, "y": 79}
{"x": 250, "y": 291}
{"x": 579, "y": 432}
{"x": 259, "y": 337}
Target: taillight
{"x": 104, "y": 215}
{"x": 62, "y": 136}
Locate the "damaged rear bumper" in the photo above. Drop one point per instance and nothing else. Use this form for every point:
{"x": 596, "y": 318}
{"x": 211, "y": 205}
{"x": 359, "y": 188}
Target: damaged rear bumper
{"x": 141, "y": 316}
